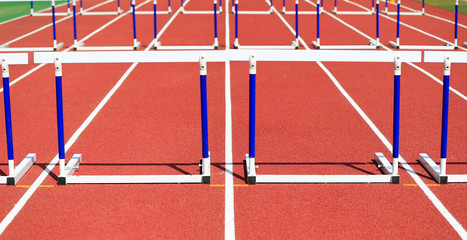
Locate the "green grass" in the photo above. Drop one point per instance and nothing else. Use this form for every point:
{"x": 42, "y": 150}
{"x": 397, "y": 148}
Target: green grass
{"x": 447, "y": 4}
{"x": 11, "y": 10}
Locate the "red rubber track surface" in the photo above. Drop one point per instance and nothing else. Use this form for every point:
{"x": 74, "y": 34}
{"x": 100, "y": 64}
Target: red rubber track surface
{"x": 151, "y": 125}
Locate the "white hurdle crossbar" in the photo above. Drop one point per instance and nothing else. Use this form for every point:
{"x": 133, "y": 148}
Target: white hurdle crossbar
{"x": 15, "y": 173}
{"x": 67, "y": 176}
{"x": 56, "y": 46}
{"x": 447, "y": 46}
{"x": 79, "y": 46}
{"x": 438, "y": 172}
{"x": 416, "y": 13}
{"x": 354, "y": 12}
{"x": 373, "y": 44}
{"x": 158, "y": 45}
{"x": 154, "y": 3}
{"x": 284, "y": 10}
{"x": 100, "y": 13}
{"x": 295, "y": 44}
{"x": 68, "y": 12}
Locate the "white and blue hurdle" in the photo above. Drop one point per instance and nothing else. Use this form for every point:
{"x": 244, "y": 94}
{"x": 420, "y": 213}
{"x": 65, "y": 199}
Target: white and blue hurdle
{"x": 447, "y": 46}
{"x": 438, "y": 172}
{"x": 355, "y": 12}
{"x": 103, "y": 13}
{"x": 56, "y": 46}
{"x": 15, "y": 173}
{"x": 79, "y": 46}
{"x": 67, "y": 170}
{"x": 295, "y": 44}
{"x": 218, "y": 11}
{"x": 413, "y": 13}
{"x": 215, "y": 45}
{"x": 68, "y": 12}
{"x": 154, "y": 3}
{"x": 374, "y": 44}
{"x": 269, "y": 11}
{"x": 390, "y": 172}
{"x": 284, "y": 11}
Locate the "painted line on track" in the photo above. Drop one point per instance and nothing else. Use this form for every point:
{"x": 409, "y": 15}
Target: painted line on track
{"x": 431, "y": 196}
{"x": 37, "y": 183}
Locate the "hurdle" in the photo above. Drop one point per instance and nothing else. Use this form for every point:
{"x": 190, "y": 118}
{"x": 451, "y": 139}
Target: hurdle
{"x": 438, "y": 172}
{"x": 56, "y": 46}
{"x": 235, "y": 10}
{"x": 154, "y": 3}
{"x": 295, "y": 44}
{"x": 87, "y": 12}
{"x": 158, "y": 45}
{"x": 219, "y": 11}
{"x": 416, "y": 13}
{"x": 448, "y": 46}
{"x": 67, "y": 170}
{"x": 354, "y": 12}
{"x": 374, "y": 44}
{"x": 284, "y": 11}
{"x": 68, "y": 12}
{"x": 390, "y": 172}
{"x": 80, "y": 46}
{"x": 15, "y": 173}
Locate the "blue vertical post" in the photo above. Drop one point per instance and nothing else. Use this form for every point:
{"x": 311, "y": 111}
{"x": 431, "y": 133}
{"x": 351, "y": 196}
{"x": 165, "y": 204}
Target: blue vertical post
{"x": 81, "y": 6}
{"x": 252, "y": 114}
{"x": 169, "y": 8}
{"x": 236, "y": 25}
{"x": 155, "y": 19}
{"x": 377, "y": 23}
{"x": 398, "y": 22}
{"x": 335, "y": 6}
{"x": 68, "y": 3}
{"x": 118, "y": 7}
{"x": 372, "y": 5}
{"x": 423, "y": 6}
{"x": 53, "y": 24}
{"x": 74, "y": 25}
{"x": 204, "y": 106}
{"x": 32, "y": 7}
{"x": 396, "y": 114}
{"x": 296, "y": 25}
{"x": 215, "y": 25}
{"x": 60, "y": 126}
{"x": 7, "y": 106}
{"x": 220, "y": 5}
{"x": 135, "y": 42}
{"x": 283, "y": 6}
{"x": 456, "y": 24}
{"x": 317, "y": 22}
{"x": 444, "y": 121}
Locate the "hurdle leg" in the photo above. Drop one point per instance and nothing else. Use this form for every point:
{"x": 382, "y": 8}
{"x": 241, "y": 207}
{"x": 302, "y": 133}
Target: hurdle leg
{"x": 169, "y": 10}
{"x": 456, "y": 24}
{"x": 372, "y": 6}
{"x": 335, "y": 7}
{"x": 135, "y": 42}
{"x": 376, "y": 43}
{"x": 236, "y": 44}
{"x": 32, "y": 8}
{"x": 76, "y": 45}
{"x": 119, "y": 10}
{"x": 68, "y": 10}
{"x": 423, "y": 7}
{"x": 220, "y": 6}
{"x": 216, "y": 43}
{"x": 250, "y": 157}
{"x": 270, "y": 8}
{"x": 59, "y": 45}
{"x": 391, "y": 43}
{"x": 206, "y": 162}
{"x": 283, "y": 6}
{"x": 156, "y": 43}
{"x": 316, "y": 43}
{"x": 81, "y": 6}
{"x": 296, "y": 44}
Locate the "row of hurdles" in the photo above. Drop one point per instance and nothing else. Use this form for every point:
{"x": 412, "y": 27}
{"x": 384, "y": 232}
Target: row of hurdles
{"x": 390, "y": 171}
{"x": 374, "y": 44}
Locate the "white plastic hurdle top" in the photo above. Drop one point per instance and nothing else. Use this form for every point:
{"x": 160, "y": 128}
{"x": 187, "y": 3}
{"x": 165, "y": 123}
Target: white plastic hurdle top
{"x": 456, "y": 57}
{"x": 229, "y": 55}
{"x": 15, "y": 58}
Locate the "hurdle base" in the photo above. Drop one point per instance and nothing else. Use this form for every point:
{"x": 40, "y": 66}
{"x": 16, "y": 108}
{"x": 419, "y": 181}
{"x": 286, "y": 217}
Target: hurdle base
{"x": 372, "y": 45}
{"x": 465, "y": 44}
{"x": 352, "y": 12}
{"x": 386, "y": 168}
{"x": 6, "y": 48}
{"x": 294, "y": 45}
{"x": 421, "y": 47}
{"x": 302, "y": 12}
{"x": 199, "y": 12}
{"x": 253, "y": 178}
{"x": 107, "y": 48}
{"x": 67, "y": 176}
{"x": 19, "y": 171}
{"x": 50, "y": 14}
{"x": 103, "y": 13}
{"x": 434, "y": 170}
{"x": 152, "y": 12}
{"x": 417, "y": 13}
{"x": 254, "y": 12}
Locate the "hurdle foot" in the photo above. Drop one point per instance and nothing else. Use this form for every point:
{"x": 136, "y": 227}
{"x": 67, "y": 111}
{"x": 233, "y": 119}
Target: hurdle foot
{"x": 76, "y": 46}
{"x": 4, "y": 46}
{"x": 21, "y": 169}
{"x": 432, "y": 168}
{"x": 60, "y": 45}
{"x": 465, "y": 44}
{"x": 250, "y": 169}
{"x": 136, "y": 46}
{"x": 157, "y": 44}
{"x": 236, "y": 45}
{"x": 315, "y": 44}
{"x": 216, "y": 44}
{"x": 70, "y": 169}
{"x": 394, "y": 45}
{"x": 386, "y": 167}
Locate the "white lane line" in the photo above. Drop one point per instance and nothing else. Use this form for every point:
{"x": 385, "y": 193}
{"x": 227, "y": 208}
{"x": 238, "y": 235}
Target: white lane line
{"x": 388, "y": 49}
{"x": 48, "y": 25}
{"x": 431, "y": 196}
{"x": 229, "y": 215}
{"x": 22, "y": 202}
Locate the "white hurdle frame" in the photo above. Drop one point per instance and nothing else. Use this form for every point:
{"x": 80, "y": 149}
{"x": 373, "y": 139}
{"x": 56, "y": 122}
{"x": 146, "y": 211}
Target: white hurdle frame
{"x": 373, "y": 44}
{"x": 416, "y": 13}
{"x": 56, "y": 46}
{"x": 218, "y": 10}
{"x": 68, "y": 12}
{"x": 159, "y": 46}
{"x": 67, "y": 170}
{"x": 335, "y": 11}
{"x": 438, "y": 172}
{"x": 270, "y": 11}
{"x": 284, "y": 11}
{"x": 80, "y": 46}
{"x": 100, "y": 13}
{"x": 295, "y": 44}
{"x": 15, "y": 173}
{"x": 447, "y": 46}
{"x": 390, "y": 172}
